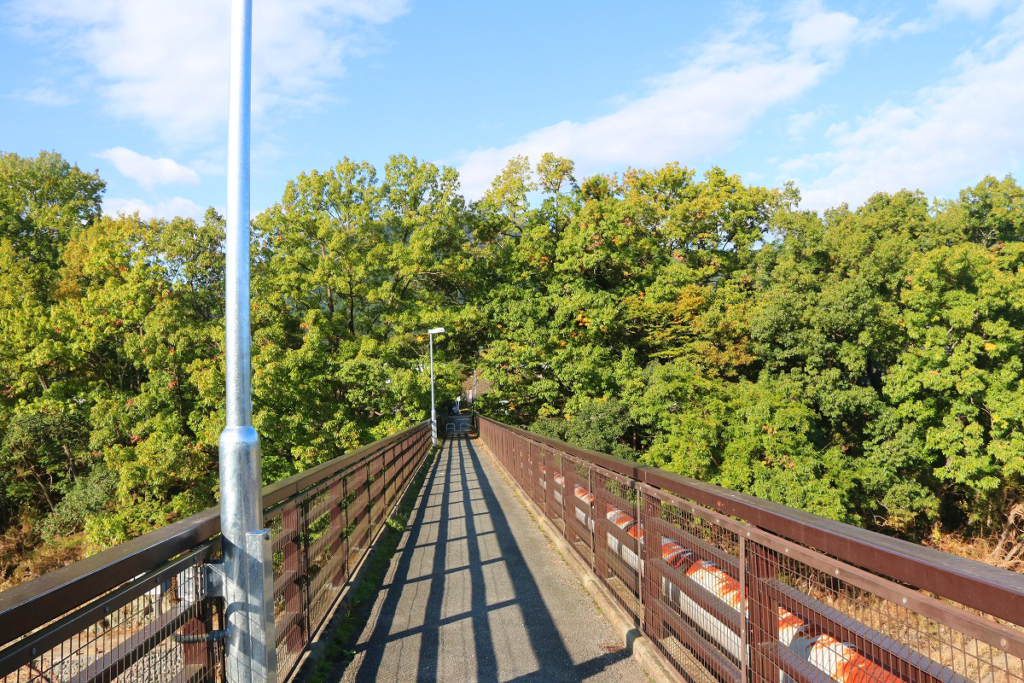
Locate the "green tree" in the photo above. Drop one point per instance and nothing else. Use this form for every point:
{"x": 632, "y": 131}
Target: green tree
{"x": 43, "y": 200}
{"x": 352, "y": 270}
{"x": 954, "y": 430}
{"x": 42, "y": 453}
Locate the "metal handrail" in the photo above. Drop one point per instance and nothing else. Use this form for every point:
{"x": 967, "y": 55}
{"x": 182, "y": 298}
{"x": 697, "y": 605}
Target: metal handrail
{"x": 31, "y": 604}
{"x": 34, "y": 603}
{"x": 976, "y": 585}
{"x": 733, "y": 588}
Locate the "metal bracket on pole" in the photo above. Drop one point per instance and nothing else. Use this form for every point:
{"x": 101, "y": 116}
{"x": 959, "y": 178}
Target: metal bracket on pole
{"x": 213, "y": 587}
{"x": 259, "y": 636}
{"x": 213, "y": 577}
{"x": 260, "y": 577}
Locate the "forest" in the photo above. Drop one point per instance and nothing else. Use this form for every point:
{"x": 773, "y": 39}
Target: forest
{"x": 864, "y": 364}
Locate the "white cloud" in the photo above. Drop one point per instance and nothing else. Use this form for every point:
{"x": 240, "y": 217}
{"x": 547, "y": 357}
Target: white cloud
{"x": 818, "y": 31}
{"x": 701, "y": 109}
{"x": 210, "y": 168}
{"x": 166, "y": 63}
{"x": 941, "y": 12}
{"x": 975, "y": 9}
{"x": 949, "y": 136}
{"x": 50, "y": 97}
{"x": 167, "y": 209}
{"x": 147, "y": 171}
{"x": 798, "y": 124}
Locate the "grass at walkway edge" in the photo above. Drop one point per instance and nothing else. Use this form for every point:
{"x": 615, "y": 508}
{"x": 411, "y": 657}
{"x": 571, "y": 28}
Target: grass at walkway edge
{"x": 339, "y": 651}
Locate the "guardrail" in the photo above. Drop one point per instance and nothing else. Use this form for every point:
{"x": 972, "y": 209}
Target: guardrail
{"x": 141, "y": 611}
{"x": 733, "y": 588}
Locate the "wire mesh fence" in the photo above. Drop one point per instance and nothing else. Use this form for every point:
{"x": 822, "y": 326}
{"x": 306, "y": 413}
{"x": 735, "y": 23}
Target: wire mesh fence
{"x": 132, "y": 633}
{"x": 320, "y": 534}
{"x": 145, "y": 611}
{"x": 731, "y": 588}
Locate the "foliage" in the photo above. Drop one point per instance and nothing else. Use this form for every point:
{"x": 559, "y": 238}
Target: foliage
{"x": 862, "y": 364}
{"x": 596, "y": 424}
{"x": 952, "y": 436}
{"x": 86, "y": 499}
{"x": 352, "y": 271}
{"x": 41, "y": 454}
{"x": 111, "y": 373}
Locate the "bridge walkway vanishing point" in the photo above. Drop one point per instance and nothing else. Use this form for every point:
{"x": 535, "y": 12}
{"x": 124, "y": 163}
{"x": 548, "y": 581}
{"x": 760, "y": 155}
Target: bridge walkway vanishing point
{"x": 476, "y": 592}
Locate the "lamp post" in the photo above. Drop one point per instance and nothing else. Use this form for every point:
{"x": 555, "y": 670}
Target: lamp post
{"x": 433, "y": 410}
{"x": 247, "y": 567}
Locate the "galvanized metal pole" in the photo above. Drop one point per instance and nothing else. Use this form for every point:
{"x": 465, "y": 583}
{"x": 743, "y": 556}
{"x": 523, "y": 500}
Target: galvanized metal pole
{"x": 433, "y": 411}
{"x": 241, "y": 501}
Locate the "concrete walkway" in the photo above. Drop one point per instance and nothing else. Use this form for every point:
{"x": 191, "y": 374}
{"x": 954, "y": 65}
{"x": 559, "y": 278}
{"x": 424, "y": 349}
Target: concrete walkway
{"x": 477, "y": 593}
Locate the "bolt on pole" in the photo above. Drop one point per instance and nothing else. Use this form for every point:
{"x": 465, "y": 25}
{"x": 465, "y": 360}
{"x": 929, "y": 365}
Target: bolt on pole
{"x": 250, "y": 649}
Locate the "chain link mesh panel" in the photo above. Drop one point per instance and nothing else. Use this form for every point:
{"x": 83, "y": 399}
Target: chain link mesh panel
{"x": 133, "y": 633}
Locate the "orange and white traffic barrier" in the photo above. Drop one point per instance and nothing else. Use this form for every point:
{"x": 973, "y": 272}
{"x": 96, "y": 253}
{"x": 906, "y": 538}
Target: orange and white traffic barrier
{"x": 840, "y": 661}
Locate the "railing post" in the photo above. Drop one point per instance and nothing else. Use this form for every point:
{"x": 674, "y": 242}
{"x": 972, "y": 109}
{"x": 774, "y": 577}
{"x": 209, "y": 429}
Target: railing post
{"x": 376, "y": 502}
{"x": 532, "y": 471}
{"x": 348, "y": 530}
{"x": 744, "y": 613}
{"x": 650, "y": 624}
{"x": 592, "y": 519}
{"x": 542, "y": 471}
{"x": 385, "y": 471}
{"x": 763, "y": 624}
{"x": 403, "y": 468}
{"x": 641, "y": 589}
{"x": 293, "y": 592}
{"x": 517, "y": 458}
{"x": 337, "y": 496}
{"x": 306, "y": 562}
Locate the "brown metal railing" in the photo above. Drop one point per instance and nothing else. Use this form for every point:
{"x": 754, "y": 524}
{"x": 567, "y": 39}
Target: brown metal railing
{"x": 733, "y": 588}
{"x": 138, "y": 611}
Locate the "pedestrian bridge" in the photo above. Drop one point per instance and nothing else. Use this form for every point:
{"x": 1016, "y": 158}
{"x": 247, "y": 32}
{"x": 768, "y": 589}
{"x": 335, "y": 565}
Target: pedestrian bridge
{"x": 527, "y": 559}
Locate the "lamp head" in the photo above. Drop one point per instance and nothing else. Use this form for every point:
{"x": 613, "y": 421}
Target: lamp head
{"x": 436, "y": 330}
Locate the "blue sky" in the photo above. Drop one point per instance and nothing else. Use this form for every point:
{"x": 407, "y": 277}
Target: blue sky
{"x": 845, "y": 99}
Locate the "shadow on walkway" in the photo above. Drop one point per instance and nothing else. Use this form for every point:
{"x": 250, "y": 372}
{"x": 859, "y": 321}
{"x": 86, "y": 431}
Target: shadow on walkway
{"x": 475, "y": 594}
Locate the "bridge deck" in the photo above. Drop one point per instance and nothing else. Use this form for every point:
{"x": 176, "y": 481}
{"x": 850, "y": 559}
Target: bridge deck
{"x": 477, "y": 593}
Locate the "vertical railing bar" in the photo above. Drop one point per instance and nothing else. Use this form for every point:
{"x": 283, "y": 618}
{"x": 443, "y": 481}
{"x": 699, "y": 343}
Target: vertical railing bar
{"x": 336, "y": 495}
{"x": 592, "y": 524}
{"x": 744, "y": 613}
{"x": 346, "y": 511}
{"x": 646, "y": 555}
{"x": 384, "y": 484}
{"x": 641, "y": 592}
{"x": 305, "y": 563}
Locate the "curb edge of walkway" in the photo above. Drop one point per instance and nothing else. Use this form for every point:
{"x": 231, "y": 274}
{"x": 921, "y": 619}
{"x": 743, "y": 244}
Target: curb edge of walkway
{"x": 640, "y": 646}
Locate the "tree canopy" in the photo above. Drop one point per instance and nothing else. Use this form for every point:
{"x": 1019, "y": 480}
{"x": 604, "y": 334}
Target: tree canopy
{"x": 863, "y": 364}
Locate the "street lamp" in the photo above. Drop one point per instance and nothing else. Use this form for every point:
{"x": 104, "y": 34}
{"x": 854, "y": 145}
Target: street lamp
{"x": 433, "y": 411}
{"x": 247, "y": 568}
